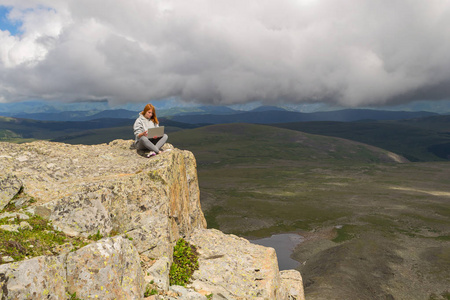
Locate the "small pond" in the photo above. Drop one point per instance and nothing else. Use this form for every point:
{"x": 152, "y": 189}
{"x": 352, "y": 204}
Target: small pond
{"x": 283, "y": 244}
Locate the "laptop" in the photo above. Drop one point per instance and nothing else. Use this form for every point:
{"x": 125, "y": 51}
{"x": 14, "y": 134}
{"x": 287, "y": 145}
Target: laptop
{"x": 157, "y": 131}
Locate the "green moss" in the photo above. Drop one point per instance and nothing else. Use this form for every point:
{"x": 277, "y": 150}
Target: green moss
{"x": 40, "y": 240}
{"x": 185, "y": 262}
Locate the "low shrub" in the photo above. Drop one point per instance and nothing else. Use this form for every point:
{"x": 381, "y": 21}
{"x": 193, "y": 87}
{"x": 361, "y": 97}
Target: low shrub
{"x": 185, "y": 262}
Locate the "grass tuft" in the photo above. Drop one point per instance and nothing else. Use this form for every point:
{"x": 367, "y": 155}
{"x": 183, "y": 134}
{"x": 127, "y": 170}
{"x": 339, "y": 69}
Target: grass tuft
{"x": 42, "y": 239}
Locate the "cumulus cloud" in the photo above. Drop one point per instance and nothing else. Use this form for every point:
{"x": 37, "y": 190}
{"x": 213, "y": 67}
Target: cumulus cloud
{"x": 349, "y": 52}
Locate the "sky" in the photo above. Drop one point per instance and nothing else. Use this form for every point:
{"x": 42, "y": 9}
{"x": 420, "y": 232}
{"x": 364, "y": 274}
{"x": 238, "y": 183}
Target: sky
{"x": 350, "y": 53}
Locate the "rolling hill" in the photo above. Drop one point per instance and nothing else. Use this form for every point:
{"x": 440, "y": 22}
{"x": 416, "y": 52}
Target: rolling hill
{"x": 419, "y": 139}
{"x": 252, "y": 143}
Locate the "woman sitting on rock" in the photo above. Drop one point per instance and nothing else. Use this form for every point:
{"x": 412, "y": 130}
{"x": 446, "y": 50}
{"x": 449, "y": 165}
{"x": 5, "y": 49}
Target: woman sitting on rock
{"x": 147, "y": 119}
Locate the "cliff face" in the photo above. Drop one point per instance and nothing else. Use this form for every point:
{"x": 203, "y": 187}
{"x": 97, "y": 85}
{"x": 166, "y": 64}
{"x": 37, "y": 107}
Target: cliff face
{"x": 141, "y": 206}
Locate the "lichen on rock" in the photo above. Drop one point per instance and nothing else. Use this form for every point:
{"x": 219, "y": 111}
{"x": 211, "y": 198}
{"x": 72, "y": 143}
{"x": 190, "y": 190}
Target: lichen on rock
{"x": 10, "y": 186}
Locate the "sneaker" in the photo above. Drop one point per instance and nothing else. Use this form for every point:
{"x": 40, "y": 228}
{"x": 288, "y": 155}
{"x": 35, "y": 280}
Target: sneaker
{"x": 151, "y": 154}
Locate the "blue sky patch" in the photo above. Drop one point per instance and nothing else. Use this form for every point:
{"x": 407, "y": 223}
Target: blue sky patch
{"x": 6, "y": 24}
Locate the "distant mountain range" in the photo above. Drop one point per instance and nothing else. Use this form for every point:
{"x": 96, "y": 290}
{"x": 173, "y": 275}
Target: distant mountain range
{"x": 77, "y": 115}
{"x": 261, "y": 116}
{"x": 224, "y": 114}
{"x": 86, "y": 115}
{"x": 30, "y": 107}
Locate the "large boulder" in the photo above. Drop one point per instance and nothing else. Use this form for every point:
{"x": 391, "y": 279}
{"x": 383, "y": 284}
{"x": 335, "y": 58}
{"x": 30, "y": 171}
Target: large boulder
{"x": 231, "y": 267}
{"x": 108, "y": 269}
{"x": 42, "y": 277}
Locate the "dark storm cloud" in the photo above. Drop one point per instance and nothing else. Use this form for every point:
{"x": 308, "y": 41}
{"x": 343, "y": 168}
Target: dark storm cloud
{"x": 350, "y": 52}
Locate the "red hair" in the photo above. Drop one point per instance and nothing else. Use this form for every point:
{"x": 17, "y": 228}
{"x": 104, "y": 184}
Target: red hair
{"x": 146, "y": 109}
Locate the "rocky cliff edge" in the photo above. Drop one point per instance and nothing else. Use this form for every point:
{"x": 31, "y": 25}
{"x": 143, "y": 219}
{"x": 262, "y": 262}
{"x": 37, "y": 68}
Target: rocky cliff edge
{"x": 140, "y": 207}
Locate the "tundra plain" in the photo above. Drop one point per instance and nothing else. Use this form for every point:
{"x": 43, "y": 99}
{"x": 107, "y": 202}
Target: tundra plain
{"x": 375, "y": 226}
